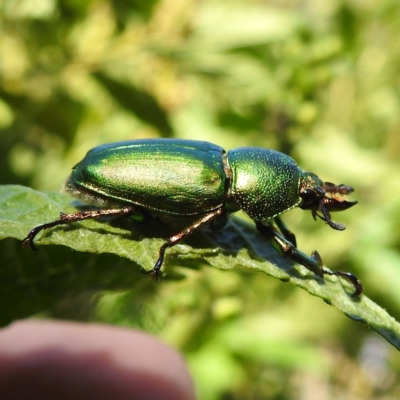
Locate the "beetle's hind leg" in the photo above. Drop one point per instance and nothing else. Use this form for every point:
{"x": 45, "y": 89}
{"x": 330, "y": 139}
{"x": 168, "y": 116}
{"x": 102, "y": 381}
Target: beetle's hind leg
{"x": 173, "y": 240}
{"x": 75, "y": 217}
{"x": 285, "y": 242}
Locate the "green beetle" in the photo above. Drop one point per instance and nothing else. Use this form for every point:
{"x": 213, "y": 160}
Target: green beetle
{"x": 202, "y": 183}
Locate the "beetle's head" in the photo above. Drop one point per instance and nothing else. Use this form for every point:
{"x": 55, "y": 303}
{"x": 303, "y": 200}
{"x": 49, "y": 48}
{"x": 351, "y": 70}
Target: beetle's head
{"x": 324, "y": 197}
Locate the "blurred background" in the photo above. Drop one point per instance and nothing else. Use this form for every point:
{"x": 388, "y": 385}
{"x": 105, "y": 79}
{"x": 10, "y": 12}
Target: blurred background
{"x": 319, "y": 80}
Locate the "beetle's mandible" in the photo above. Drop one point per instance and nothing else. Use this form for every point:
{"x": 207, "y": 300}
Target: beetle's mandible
{"x": 202, "y": 182}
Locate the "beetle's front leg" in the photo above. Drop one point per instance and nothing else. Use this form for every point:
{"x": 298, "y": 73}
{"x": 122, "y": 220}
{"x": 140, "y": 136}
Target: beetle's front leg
{"x": 173, "y": 240}
{"x": 313, "y": 263}
{"x": 288, "y": 248}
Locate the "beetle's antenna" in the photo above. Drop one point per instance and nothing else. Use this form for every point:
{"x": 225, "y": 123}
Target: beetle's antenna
{"x": 327, "y": 218}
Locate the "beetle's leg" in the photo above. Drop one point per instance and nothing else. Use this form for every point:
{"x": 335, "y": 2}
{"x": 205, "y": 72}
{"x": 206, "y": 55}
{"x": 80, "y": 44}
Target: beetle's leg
{"x": 219, "y": 222}
{"x": 347, "y": 275}
{"x": 75, "y": 217}
{"x": 288, "y": 234}
{"x": 173, "y": 240}
{"x": 288, "y": 249}
{"x": 313, "y": 263}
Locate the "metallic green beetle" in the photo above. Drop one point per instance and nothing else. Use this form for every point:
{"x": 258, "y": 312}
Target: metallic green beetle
{"x": 201, "y": 183}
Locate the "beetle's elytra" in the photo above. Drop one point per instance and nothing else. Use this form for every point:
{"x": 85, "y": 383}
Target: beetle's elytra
{"x": 187, "y": 178}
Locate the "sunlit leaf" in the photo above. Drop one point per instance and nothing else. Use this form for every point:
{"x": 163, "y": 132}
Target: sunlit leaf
{"x": 236, "y": 246}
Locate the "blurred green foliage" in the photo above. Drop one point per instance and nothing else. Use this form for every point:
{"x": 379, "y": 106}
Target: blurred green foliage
{"x": 317, "y": 80}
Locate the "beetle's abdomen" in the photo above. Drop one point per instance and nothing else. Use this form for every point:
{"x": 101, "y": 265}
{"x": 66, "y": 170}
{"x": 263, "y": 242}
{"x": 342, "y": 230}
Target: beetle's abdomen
{"x": 265, "y": 182}
{"x": 169, "y": 176}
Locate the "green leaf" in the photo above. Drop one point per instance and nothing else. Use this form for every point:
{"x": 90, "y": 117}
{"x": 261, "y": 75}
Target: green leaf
{"x": 222, "y": 26}
{"x": 32, "y": 282}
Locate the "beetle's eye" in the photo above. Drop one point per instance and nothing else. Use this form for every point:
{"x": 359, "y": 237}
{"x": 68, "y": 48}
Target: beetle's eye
{"x": 309, "y": 197}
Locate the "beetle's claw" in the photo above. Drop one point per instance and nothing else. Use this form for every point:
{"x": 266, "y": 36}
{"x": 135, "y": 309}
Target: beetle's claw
{"x": 355, "y": 281}
{"x": 349, "y": 277}
{"x": 346, "y": 275}
{"x": 29, "y": 240}
{"x": 154, "y": 272}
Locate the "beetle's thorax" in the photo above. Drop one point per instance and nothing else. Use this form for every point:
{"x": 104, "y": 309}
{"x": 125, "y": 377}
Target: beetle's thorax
{"x": 265, "y": 182}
